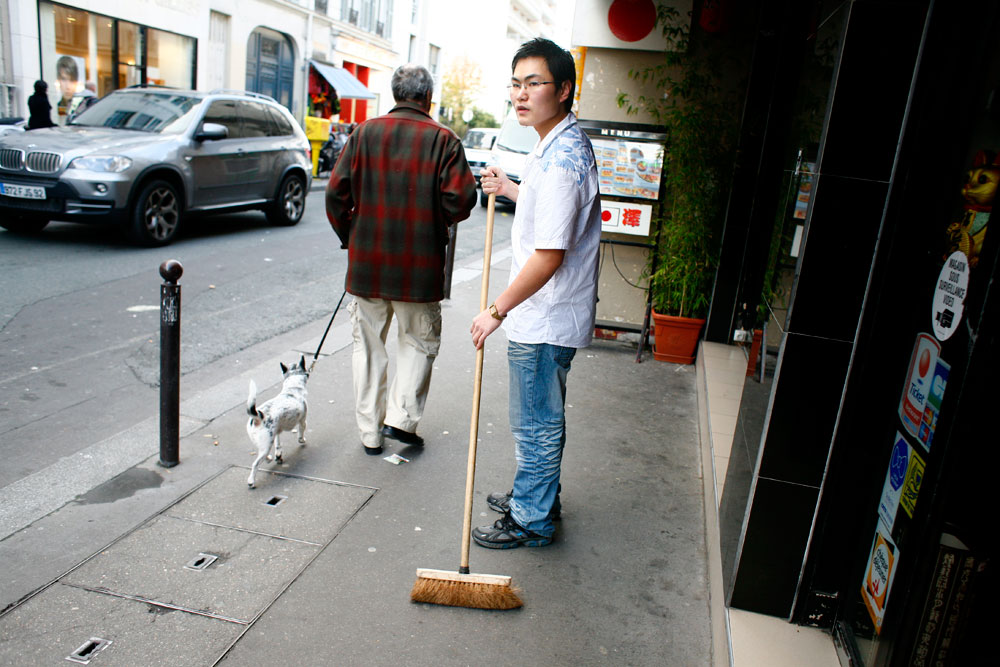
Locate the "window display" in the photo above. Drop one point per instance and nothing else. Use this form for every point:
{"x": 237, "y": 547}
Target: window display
{"x": 81, "y": 57}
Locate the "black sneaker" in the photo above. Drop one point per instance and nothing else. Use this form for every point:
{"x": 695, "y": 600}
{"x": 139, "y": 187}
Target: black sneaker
{"x": 507, "y": 534}
{"x": 500, "y": 502}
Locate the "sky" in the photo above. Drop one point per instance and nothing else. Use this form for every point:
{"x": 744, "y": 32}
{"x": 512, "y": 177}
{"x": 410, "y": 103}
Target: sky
{"x": 489, "y": 47}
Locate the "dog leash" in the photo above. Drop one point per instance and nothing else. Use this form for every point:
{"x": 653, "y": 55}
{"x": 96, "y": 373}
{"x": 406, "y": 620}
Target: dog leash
{"x": 329, "y": 324}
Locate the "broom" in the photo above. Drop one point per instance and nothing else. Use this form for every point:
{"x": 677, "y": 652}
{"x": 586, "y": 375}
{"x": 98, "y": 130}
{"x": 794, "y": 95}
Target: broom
{"x": 462, "y": 589}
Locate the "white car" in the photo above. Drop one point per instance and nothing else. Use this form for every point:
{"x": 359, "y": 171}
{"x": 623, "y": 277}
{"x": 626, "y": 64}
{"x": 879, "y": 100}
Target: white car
{"x": 510, "y": 150}
{"x": 478, "y": 142}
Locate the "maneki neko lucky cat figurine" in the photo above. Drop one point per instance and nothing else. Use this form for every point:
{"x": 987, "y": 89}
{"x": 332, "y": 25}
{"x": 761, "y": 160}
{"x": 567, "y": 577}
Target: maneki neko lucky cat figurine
{"x": 967, "y": 233}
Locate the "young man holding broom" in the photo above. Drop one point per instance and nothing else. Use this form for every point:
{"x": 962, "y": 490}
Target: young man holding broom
{"x": 549, "y": 306}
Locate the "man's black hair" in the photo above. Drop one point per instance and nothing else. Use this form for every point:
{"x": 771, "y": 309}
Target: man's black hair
{"x": 557, "y": 59}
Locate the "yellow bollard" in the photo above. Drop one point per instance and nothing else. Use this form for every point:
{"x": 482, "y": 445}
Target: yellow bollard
{"x": 317, "y": 132}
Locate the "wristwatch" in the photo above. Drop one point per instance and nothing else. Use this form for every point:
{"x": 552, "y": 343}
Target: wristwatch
{"x": 496, "y": 314}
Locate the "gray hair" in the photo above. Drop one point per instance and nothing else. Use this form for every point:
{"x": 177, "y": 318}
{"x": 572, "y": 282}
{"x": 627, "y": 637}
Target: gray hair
{"x": 411, "y": 83}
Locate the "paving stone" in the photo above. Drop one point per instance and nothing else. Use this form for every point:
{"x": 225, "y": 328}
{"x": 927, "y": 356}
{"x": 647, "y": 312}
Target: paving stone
{"x": 46, "y": 629}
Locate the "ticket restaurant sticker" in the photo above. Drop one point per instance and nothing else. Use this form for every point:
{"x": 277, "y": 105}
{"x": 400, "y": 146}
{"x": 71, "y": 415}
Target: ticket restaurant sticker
{"x": 923, "y": 366}
{"x": 878, "y": 575}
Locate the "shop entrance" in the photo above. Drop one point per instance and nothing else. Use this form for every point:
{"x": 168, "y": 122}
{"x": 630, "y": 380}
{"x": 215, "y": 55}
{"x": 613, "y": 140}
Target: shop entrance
{"x": 271, "y": 65}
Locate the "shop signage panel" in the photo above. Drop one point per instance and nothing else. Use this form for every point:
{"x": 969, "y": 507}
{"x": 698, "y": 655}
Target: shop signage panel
{"x": 625, "y": 218}
{"x": 628, "y": 168}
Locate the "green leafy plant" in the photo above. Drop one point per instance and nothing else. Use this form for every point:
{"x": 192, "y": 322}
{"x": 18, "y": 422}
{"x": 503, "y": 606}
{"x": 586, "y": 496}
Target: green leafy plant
{"x": 697, "y": 105}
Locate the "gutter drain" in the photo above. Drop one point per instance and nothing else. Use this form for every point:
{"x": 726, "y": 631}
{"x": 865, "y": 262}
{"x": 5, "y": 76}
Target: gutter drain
{"x": 201, "y": 562}
{"x": 88, "y": 650}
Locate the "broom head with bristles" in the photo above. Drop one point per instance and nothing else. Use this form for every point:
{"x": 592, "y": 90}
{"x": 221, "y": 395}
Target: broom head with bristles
{"x": 479, "y": 591}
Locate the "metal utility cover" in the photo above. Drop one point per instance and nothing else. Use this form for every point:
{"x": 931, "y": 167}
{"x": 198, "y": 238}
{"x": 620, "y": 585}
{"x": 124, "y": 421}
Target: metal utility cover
{"x": 314, "y": 511}
{"x": 54, "y": 623}
{"x": 250, "y": 572}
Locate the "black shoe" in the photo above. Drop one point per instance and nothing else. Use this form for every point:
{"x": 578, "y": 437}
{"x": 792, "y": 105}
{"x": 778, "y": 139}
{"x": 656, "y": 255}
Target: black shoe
{"x": 371, "y": 451}
{"x": 500, "y": 502}
{"x": 403, "y": 436}
{"x": 507, "y": 534}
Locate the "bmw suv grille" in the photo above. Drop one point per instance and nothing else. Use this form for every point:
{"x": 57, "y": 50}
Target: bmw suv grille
{"x": 43, "y": 163}
{"x": 11, "y": 158}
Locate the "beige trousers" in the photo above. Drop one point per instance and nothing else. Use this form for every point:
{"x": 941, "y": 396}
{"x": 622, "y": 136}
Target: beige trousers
{"x": 419, "y": 339}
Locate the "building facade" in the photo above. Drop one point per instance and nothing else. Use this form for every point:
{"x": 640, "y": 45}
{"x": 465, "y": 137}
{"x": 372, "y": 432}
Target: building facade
{"x": 258, "y": 45}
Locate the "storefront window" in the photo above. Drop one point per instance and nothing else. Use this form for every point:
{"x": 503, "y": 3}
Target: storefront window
{"x": 168, "y": 58}
{"x": 129, "y": 55}
{"x": 79, "y": 57}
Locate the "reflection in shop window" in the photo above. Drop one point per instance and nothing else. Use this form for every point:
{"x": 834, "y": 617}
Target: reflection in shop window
{"x": 170, "y": 59}
{"x": 78, "y": 55}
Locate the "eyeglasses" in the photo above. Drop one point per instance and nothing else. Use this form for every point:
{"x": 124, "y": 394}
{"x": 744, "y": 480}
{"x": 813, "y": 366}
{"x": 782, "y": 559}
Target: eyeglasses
{"x": 531, "y": 86}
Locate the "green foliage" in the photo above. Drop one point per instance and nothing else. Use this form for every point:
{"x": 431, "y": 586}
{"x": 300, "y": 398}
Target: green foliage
{"x": 698, "y": 108}
{"x": 482, "y": 119}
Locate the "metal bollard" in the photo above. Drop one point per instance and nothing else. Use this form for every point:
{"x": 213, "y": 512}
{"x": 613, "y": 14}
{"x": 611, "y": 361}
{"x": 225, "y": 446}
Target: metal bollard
{"x": 449, "y": 259}
{"x": 170, "y": 363}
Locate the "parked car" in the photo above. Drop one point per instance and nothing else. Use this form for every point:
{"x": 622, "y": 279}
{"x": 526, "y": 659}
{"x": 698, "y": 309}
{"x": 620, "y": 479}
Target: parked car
{"x": 510, "y": 151}
{"x": 477, "y": 143}
{"x": 147, "y": 157}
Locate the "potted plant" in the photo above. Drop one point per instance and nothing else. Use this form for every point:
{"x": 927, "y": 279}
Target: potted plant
{"x": 697, "y": 107}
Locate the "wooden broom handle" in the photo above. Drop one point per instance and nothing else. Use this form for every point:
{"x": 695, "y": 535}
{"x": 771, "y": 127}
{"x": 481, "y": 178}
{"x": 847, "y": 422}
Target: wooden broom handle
{"x": 470, "y": 473}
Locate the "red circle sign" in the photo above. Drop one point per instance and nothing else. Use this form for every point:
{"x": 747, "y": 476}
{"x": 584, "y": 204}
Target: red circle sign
{"x": 605, "y": 216}
{"x": 631, "y": 20}
{"x": 924, "y": 364}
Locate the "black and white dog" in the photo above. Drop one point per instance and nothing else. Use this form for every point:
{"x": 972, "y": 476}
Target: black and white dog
{"x": 279, "y": 414}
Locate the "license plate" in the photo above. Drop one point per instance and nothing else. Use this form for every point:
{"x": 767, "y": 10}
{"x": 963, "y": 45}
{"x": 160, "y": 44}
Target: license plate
{"x": 22, "y": 191}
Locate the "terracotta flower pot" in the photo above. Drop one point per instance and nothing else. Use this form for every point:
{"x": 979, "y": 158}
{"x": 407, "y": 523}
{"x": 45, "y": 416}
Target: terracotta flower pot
{"x": 676, "y": 338}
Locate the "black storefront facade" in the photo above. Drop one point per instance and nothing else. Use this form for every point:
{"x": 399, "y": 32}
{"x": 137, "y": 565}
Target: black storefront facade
{"x": 859, "y": 488}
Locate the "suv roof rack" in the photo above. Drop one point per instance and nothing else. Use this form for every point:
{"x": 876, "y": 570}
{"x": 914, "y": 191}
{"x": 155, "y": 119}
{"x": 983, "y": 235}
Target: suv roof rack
{"x": 149, "y": 85}
{"x": 247, "y": 93}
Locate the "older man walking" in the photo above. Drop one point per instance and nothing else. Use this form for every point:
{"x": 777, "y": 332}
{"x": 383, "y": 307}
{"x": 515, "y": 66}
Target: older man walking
{"x": 401, "y": 180}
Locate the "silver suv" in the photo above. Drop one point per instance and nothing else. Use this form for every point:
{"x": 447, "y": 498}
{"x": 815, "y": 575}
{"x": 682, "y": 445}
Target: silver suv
{"x": 146, "y": 158}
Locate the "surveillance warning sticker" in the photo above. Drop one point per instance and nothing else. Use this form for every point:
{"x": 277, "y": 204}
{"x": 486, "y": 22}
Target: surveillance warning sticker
{"x": 878, "y": 575}
{"x": 923, "y": 366}
{"x": 949, "y": 295}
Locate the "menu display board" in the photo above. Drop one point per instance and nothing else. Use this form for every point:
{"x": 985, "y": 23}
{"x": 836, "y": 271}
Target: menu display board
{"x": 628, "y": 168}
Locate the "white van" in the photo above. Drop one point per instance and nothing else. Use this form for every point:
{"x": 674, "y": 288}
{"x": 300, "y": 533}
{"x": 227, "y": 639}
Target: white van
{"x": 511, "y": 149}
{"x": 478, "y": 143}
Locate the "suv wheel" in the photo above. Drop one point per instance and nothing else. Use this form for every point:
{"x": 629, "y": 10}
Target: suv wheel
{"x": 156, "y": 215}
{"x": 287, "y": 208}
{"x": 24, "y": 224}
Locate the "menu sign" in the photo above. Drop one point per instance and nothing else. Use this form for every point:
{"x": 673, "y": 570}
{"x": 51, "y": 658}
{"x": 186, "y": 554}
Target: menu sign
{"x": 628, "y": 168}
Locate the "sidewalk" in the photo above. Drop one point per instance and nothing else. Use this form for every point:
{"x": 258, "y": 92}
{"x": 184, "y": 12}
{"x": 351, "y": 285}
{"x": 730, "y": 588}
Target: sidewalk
{"x": 322, "y": 575}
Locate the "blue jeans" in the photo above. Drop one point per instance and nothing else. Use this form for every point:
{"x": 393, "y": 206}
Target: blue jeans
{"x": 537, "y": 407}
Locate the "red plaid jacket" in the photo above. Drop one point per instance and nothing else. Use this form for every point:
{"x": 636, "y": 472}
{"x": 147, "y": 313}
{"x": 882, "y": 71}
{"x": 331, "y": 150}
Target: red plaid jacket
{"x": 399, "y": 182}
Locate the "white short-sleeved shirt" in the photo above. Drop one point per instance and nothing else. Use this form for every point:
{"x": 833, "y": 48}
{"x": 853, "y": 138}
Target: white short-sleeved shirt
{"x": 558, "y": 207}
